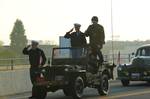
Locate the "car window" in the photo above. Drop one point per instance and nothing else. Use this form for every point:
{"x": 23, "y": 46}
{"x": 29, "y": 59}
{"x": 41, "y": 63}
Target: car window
{"x": 138, "y": 52}
{"x": 147, "y": 52}
{"x": 143, "y": 52}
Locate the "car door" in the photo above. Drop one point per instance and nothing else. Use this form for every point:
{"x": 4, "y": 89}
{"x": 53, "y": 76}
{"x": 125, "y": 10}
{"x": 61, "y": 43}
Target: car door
{"x": 144, "y": 55}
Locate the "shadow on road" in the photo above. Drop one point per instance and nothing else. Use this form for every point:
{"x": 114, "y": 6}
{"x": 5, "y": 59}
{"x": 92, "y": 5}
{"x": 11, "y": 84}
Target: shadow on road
{"x": 90, "y": 93}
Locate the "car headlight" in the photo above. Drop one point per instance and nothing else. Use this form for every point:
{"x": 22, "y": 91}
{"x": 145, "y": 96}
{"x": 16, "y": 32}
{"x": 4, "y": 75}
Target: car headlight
{"x": 119, "y": 68}
{"x": 126, "y": 73}
{"x": 43, "y": 70}
{"x": 66, "y": 69}
{"x": 145, "y": 73}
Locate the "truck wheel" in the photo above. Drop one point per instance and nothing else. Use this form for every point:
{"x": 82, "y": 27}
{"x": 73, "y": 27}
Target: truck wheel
{"x": 76, "y": 88}
{"x": 103, "y": 88}
{"x": 125, "y": 82}
{"x": 40, "y": 92}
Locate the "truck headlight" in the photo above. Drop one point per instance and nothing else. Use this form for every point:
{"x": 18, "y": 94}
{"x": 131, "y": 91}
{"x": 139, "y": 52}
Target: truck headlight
{"x": 43, "y": 70}
{"x": 119, "y": 68}
{"x": 126, "y": 73}
{"x": 145, "y": 73}
{"x": 66, "y": 69}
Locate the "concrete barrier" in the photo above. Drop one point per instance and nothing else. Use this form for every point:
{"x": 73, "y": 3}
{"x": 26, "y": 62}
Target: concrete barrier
{"x": 17, "y": 81}
{"x": 13, "y": 82}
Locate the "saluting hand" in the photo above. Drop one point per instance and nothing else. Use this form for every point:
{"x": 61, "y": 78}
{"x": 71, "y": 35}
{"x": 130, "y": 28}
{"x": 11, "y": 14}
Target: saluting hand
{"x": 28, "y": 46}
{"x": 70, "y": 30}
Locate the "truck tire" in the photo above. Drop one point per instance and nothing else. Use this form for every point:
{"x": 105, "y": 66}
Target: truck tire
{"x": 125, "y": 82}
{"x": 40, "y": 92}
{"x": 103, "y": 88}
{"x": 76, "y": 88}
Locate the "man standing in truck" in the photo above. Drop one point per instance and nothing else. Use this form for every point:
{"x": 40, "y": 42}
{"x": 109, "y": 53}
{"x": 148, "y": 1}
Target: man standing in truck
{"x": 96, "y": 35}
{"x": 78, "y": 40}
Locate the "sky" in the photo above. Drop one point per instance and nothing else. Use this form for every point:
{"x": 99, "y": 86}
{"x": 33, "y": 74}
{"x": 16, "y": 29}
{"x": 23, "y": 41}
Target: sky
{"x": 49, "y": 19}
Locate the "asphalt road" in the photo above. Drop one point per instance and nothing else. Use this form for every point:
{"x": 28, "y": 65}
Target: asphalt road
{"x": 136, "y": 90}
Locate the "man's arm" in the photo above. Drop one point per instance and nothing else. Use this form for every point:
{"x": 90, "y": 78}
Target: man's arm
{"x": 83, "y": 39}
{"x": 102, "y": 35}
{"x": 68, "y": 35}
{"x": 26, "y": 50}
{"x": 43, "y": 58}
{"x": 87, "y": 32}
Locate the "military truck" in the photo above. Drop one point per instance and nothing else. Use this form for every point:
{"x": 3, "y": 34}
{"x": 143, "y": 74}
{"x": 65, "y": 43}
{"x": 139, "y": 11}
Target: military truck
{"x": 72, "y": 70}
{"x": 138, "y": 69}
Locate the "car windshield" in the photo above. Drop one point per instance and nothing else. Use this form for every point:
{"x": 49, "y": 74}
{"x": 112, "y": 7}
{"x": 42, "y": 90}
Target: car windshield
{"x": 69, "y": 53}
{"x": 143, "y": 52}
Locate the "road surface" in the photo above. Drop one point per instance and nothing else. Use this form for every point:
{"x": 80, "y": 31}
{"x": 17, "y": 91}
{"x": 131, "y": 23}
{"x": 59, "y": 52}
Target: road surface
{"x": 136, "y": 90}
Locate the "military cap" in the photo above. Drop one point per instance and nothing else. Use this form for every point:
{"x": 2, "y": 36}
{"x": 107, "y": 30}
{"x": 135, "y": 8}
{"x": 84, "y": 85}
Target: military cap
{"x": 77, "y": 25}
{"x": 34, "y": 42}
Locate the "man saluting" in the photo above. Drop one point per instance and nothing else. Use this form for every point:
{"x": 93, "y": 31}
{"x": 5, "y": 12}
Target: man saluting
{"x": 78, "y": 40}
{"x": 36, "y": 58}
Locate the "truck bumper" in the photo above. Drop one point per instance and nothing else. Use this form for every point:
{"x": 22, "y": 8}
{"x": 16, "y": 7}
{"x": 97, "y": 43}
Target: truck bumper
{"x": 143, "y": 78}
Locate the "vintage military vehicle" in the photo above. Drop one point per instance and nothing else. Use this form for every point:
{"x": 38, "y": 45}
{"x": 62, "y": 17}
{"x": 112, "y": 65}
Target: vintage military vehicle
{"x": 72, "y": 70}
{"x": 139, "y": 69}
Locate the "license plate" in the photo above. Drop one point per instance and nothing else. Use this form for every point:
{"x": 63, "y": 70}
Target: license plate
{"x": 135, "y": 75}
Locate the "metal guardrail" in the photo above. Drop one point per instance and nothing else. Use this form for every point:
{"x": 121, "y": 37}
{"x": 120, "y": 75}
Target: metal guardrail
{"x": 10, "y": 63}
{"x": 122, "y": 58}
{"x": 21, "y": 63}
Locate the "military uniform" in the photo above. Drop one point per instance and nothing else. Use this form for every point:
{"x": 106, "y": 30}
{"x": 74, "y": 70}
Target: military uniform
{"x": 97, "y": 39}
{"x": 36, "y": 58}
{"x": 96, "y": 34}
{"x": 77, "y": 39}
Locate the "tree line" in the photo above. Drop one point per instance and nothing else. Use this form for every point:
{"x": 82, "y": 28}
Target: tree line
{"x": 19, "y": 41}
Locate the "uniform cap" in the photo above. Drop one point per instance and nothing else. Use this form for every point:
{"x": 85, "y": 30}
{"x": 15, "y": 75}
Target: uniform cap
{"x": 34, "y": 42}
{"x": 77, "y": 25}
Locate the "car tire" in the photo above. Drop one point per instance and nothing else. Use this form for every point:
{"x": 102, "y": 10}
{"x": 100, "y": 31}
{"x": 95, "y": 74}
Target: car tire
{"x": 40, "y": 92}
{"x": 125, "y": 82}
{"x": 103, "y": 88}
{"x": 76, "y": 88}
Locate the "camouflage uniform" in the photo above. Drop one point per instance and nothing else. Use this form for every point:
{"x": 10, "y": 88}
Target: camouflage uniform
{"x": 97, "y": 39}
{"x": 96, "y": 34}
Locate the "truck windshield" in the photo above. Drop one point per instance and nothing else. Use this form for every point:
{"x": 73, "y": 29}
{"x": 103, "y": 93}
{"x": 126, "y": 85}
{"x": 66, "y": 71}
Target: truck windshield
{"x": 68, "y": 53}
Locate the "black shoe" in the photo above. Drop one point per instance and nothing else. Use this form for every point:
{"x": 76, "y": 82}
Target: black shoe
{"x": 32, "y": 97}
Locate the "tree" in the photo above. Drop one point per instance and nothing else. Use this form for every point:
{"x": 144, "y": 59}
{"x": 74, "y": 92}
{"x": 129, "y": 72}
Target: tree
{"x": 18, "y": 37}
{"x": 1, "y": 43}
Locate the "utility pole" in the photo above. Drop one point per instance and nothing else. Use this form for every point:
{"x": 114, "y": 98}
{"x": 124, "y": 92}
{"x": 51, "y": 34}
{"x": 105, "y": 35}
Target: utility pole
{"x": 112, "y": 30}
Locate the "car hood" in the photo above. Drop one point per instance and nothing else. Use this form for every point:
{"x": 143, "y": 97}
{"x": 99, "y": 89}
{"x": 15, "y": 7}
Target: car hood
{"x": 138, "y": 64}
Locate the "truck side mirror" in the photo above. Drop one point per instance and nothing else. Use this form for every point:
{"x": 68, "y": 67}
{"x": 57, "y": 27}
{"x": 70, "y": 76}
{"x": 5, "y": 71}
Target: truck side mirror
{"x": 133, "y": 54}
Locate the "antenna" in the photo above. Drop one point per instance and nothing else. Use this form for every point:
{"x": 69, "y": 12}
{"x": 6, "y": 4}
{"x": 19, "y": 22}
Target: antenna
{"x": 112, "y": 31}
